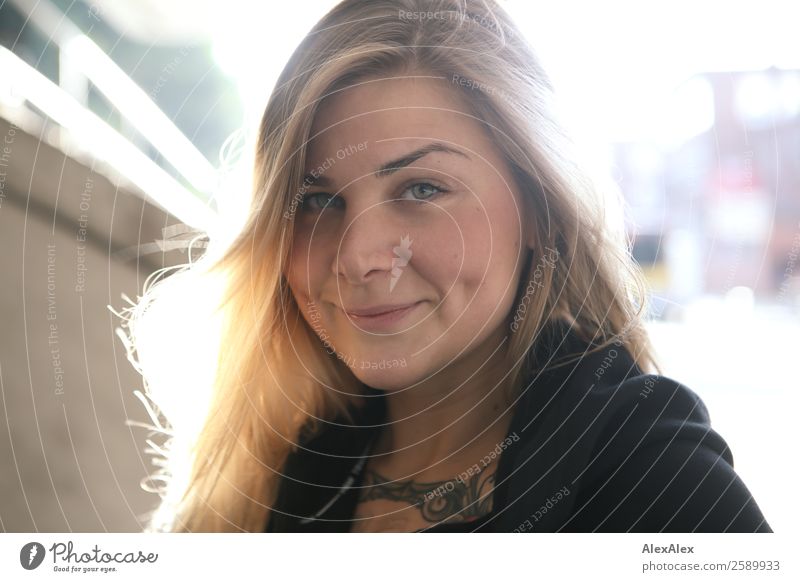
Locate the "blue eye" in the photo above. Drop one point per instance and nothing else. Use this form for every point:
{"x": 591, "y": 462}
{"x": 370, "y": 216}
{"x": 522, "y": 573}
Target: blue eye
{"x": 424, "y": 186}
{"x": 306, "y": 206}
{"x": 319, "y": 201}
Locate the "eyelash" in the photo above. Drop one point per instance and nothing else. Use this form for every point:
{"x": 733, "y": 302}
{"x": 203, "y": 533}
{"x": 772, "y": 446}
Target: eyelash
{"x": 439, "y": 191}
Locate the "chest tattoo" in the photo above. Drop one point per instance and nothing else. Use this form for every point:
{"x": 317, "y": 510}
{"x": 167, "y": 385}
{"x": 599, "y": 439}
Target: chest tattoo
{"x": 466, "y": 500}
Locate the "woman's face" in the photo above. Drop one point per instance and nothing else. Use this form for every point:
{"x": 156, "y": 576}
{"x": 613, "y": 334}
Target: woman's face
{"x": 411, "y": 205}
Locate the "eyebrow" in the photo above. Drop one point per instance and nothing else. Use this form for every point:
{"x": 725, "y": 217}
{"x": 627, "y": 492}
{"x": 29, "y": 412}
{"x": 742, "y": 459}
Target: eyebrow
{"x": 391, "y": 167}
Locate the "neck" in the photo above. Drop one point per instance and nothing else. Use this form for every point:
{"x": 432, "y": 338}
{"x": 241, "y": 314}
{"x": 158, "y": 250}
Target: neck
{"x": 450, "y": 421}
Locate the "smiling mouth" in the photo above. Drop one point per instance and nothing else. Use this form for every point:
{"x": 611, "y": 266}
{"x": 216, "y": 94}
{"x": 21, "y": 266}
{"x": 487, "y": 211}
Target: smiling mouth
{"x": 381, "y": 318}
{"x": 378, "y": 310}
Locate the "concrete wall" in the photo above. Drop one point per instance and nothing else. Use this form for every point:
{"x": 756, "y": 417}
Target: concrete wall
{"x": 69, "y": 238}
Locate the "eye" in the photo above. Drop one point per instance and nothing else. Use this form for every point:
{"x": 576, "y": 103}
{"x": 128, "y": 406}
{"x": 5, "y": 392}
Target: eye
{"x": 422, "y": 191}
{"x": 323, "y": 200}
{"x": 319, "y": 201}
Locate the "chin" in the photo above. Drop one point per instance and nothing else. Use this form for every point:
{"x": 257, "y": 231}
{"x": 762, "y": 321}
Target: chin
{"x": 389, "y": 379}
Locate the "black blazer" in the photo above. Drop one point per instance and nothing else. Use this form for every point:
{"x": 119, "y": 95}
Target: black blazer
{"x": 597, "y": 446}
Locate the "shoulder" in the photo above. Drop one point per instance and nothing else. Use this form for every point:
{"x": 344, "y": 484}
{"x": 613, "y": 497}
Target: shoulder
{"x": 579, "y": 391}
{"x": 637, "y": 451}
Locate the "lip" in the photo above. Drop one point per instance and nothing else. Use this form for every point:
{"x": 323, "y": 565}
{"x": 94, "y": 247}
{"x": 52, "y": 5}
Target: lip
{"x": 378, "y": 309}
{"x": 380, "y": 316}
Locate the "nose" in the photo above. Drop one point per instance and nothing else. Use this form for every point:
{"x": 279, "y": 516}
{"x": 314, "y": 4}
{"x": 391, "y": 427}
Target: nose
{"x": 368, "y": 245}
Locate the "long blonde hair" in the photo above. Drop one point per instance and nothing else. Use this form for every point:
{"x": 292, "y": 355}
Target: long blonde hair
{"x": 233, "y": 413}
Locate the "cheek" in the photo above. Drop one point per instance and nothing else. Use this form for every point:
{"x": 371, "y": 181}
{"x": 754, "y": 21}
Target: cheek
{"x": 489, "y": 274}
{"x": 470, "y": 254}
{"x": 304, "y": 281}
{"x": 295, "y": 272}
{"x": 486, "y": 240}
{"x": 306, "y": 266}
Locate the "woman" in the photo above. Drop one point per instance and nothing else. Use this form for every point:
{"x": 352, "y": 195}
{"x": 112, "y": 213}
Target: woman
{"x": 429, "y": 323}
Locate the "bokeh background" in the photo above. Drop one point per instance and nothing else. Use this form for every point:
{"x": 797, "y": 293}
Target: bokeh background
{"x": 123, "y": 126}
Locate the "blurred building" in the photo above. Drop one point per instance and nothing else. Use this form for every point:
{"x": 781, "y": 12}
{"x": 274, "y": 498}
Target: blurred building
{"x": 716, "y": 197}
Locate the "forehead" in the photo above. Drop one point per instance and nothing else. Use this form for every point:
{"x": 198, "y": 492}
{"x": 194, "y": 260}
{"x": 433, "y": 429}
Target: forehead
{"x": 393, "y": 108}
